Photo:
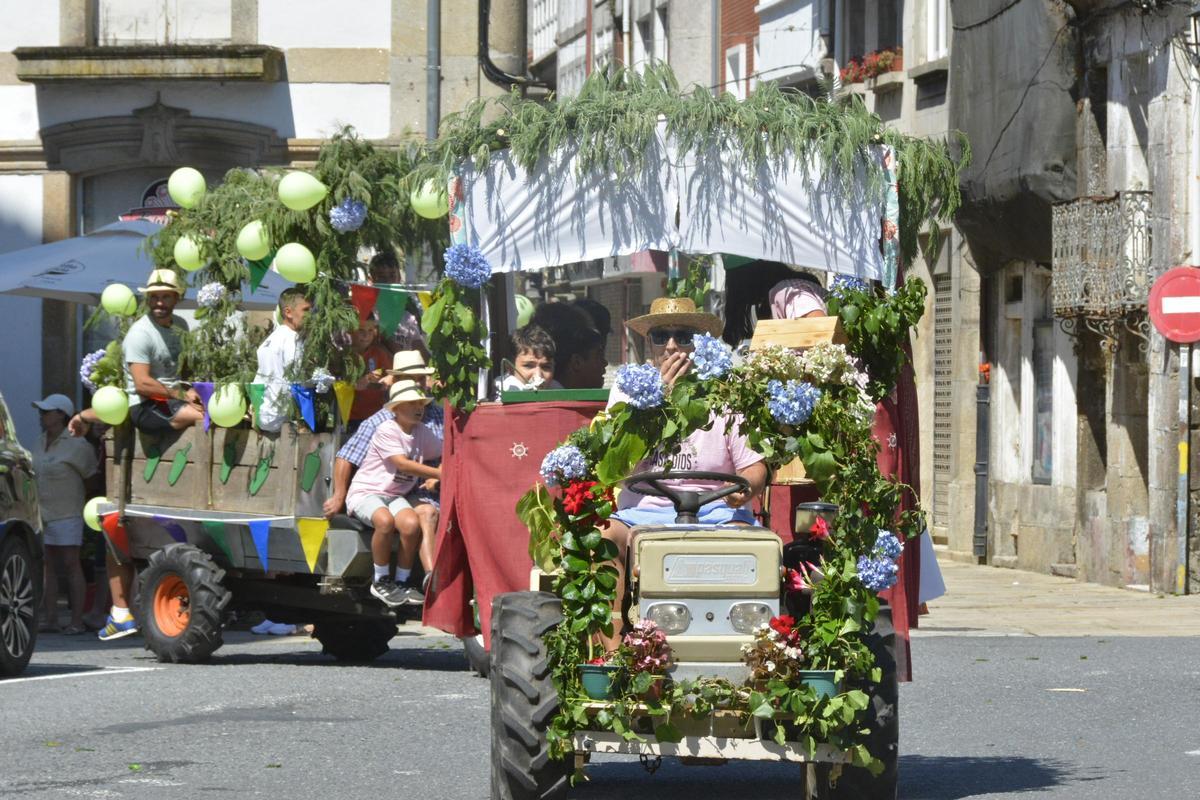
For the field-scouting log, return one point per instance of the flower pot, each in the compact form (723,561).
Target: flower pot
(823,680)
(598,680)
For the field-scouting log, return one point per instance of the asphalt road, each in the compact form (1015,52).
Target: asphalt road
(988,717)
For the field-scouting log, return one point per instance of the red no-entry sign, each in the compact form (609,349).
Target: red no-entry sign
(1174,304)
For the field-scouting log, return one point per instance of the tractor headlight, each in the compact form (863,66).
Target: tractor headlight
(746,617)
(670,617)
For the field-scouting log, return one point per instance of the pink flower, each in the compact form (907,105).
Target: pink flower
(819,529)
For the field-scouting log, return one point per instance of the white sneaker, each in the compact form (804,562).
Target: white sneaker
(263,627)
(282,629)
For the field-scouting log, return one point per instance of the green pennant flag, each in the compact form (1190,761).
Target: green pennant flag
(256,391)
(258,270)
(390,307)
(216,532)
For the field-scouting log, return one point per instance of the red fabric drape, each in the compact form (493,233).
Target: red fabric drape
(490,458)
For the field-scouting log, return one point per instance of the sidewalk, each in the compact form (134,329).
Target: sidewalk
(990,601)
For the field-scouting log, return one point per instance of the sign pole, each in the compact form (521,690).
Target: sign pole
(1181,501)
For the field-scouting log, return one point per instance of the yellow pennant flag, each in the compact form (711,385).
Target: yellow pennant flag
(312,535)
(426,299)
(344,391)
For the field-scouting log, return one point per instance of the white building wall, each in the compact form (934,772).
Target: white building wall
(130,22)
(21,370)
(28,23)
(790,44)
(320,23)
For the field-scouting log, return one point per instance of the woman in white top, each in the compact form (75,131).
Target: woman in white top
(61,463)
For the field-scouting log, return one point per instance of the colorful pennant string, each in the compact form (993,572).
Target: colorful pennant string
(312,536)
(344,392)
(216,531)
(260,532)
(305,399)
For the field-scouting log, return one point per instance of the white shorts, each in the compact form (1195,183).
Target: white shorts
(366,506)
(63,532)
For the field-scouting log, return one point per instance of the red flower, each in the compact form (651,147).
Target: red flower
(819,529)
(577,495)
(783,624)
(795,581)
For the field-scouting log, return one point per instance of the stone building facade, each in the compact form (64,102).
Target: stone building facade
(101,99)
(1084,189)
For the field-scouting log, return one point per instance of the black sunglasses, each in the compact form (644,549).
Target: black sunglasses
(682,336)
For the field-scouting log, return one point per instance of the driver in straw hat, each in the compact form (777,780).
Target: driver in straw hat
(670,330)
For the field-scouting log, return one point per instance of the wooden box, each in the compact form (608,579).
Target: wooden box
(797,333)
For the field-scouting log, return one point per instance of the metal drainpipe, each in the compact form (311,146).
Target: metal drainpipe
(492,72)
(433,67)
(982,446)
(715,21)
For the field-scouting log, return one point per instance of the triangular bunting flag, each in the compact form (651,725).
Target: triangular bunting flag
(363,297)
(344,392)
(390,305)
(256,392)
(312,536)
(173,528)
(216,532)
(260,532)
(258,270)
(303,395)
(116,533)
(205,390)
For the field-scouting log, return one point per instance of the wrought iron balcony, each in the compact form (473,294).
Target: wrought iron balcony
(1102,264)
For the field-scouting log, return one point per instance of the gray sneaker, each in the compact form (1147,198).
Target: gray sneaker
(412,597)
(390,592)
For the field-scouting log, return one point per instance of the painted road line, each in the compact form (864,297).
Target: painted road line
(84,674)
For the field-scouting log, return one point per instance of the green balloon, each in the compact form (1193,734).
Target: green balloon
(188,254)
(253,241)
(111,405)
(227,406)
(118,300)
(430,200)
(186,186)
(524,310)
(91,513)
(300,191)
(295,262)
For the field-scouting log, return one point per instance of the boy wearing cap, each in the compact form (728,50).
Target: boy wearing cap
(382,491)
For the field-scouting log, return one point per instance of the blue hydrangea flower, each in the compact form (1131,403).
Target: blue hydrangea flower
(792,403)
(87,367)
(210,294)
(712,357)
(888,546)
(563,464)
(348,215)
(322,380)
(877,574)
(466,266)
(839,285)
(642,384)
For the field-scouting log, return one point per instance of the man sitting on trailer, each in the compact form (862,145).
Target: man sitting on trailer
(276,354)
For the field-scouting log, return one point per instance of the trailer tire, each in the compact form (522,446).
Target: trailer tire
(477,656)
(355,640)
(182,604)
(524,699)
(883,720)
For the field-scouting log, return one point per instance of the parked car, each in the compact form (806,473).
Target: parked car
(20,550)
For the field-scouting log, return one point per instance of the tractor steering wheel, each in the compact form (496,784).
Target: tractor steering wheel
(687,503)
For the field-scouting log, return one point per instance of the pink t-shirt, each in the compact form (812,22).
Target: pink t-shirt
(719,449)
(376,475)
(795,298)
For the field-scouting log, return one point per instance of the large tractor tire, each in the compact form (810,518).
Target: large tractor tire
(477,656)
(18,605)
(883,720)
(182,604)
(524,699)
(355,640)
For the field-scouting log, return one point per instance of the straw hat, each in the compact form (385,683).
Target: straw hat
(405,392)
(163,280)
(409,362)
(676,312)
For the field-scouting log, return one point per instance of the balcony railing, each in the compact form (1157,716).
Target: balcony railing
(1103,265)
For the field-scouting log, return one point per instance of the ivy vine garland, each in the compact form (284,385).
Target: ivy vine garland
(454,329)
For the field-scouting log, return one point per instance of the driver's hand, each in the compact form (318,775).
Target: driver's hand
(739,499)
(673,367)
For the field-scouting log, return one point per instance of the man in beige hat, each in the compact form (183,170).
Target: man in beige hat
(670,329)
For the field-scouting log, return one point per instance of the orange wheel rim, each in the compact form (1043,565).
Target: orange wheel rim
(172,606)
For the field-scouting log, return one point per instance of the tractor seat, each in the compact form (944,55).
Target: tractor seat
(345,522)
